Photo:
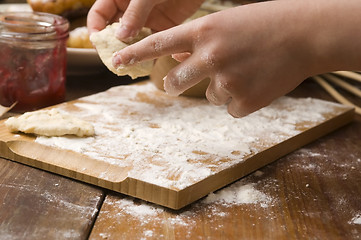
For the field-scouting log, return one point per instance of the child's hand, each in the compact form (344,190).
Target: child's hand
(247,53)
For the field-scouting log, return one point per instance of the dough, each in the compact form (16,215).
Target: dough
(107,44)
(49,123)
(67,8)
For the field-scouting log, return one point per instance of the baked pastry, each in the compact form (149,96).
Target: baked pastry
(79,38)
(66,8)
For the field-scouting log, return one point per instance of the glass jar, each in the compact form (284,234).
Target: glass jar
(32,59)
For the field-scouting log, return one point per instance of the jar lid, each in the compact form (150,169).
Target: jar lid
(32,26)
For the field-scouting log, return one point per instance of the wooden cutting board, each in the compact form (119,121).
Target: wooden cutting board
(171,151)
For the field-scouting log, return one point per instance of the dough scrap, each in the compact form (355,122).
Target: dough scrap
(50,123)
(107,44)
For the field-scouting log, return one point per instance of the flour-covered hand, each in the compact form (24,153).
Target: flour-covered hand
(255,53)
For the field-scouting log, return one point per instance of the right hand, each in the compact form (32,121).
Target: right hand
(255,53)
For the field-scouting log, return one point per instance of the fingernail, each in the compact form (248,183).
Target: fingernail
(125,34)
(116,60)
(122,32)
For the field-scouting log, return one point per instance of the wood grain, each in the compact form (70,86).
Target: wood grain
(38,205)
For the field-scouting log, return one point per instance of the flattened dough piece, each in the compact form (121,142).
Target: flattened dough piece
(107,44)
(49,123)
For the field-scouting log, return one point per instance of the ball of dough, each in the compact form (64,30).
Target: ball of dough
(107,44)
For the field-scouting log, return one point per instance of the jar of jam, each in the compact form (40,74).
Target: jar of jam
(32,59)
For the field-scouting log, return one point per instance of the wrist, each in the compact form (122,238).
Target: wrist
(332,34)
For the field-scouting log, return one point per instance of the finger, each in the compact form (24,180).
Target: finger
(185,75)
(134,18)
(216,93)
(180,57)
(156,45)
(100,14)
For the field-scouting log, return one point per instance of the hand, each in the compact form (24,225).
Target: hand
(255,53)
(155,14)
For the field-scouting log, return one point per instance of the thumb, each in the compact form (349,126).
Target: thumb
(134,18)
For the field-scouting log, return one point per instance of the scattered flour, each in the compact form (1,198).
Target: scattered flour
(146,213)
(149,217)
(356,219)
(176,142)
(239,193)
(309,160)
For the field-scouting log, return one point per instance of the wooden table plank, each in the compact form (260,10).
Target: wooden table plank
(35,204)
(312,193)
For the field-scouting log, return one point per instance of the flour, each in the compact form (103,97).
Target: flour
(208,59)
(159,46)
(356,219)
(140,210)
(185,74)
(239,193)
(246,194)
(175,142)
(147,213)
(149,217)
(341,169)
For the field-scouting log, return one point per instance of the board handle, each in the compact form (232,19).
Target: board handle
(65,162)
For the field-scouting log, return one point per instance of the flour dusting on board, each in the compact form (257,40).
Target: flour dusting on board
(173,143)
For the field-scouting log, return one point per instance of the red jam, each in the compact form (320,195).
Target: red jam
(32,60)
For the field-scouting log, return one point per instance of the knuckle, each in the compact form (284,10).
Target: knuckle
(131,17)
(156,44)
(209,58)
(202,27)
(232,86)
(224,84)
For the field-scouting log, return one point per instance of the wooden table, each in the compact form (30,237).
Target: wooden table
(314,192)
